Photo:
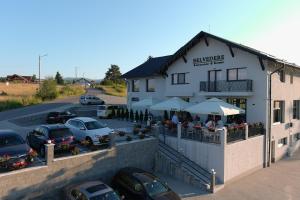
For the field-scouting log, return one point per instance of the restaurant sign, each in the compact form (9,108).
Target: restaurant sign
(209,60)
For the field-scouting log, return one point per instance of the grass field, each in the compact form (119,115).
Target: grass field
(17,95)
(114,90)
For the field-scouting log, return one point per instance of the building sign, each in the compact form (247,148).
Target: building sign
(209,60)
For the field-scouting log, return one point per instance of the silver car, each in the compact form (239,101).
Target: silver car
(86,128)
(93,190)
(90,100)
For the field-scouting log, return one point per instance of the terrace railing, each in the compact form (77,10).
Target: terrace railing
(226,86)
(236,133)
(201,135)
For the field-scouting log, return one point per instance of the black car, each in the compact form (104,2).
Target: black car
(57,134)
(59,117)
(14,152)
(137,184)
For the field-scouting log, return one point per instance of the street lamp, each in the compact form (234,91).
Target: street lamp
(40,68)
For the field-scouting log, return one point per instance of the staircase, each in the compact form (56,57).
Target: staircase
(170,162)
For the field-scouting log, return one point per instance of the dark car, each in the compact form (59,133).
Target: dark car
(57,134)
(137,184)
(14,152)
(59,117)
(92,190)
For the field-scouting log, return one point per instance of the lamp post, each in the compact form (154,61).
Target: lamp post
(40,69)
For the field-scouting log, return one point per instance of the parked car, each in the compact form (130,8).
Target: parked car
(137,184)
(89,129)
(93,190)
(90,100)
(105,111)
(14,152)
(57,134)
(59,117)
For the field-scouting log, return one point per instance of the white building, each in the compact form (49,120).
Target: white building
(210,66)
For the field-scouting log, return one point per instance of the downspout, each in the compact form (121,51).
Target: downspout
(269,115)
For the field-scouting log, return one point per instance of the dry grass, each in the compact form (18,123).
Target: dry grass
(18,89)
(114,90)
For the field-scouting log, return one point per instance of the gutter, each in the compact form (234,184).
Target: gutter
(269,116)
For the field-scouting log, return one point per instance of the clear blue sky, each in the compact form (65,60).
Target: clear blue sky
(92,34)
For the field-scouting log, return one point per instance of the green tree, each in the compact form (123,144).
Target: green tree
(33,78)
(59,79)
(113,74)
(48,90)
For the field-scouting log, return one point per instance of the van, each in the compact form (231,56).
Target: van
(105,111)
(90,100)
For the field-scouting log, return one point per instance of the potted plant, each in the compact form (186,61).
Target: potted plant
(126,114)
(131,117)
(136,116)
(142,136)
(146,115)
(141,116)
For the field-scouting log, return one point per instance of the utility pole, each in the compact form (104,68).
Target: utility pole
(40,69)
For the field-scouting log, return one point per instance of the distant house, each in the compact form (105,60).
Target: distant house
(83,82)
(19,78)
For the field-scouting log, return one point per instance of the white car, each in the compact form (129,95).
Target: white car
(90,100)
(85,128)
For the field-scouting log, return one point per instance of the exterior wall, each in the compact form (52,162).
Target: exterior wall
(287,92)
(256,100)
(143,94)
(243,156)
(64,171)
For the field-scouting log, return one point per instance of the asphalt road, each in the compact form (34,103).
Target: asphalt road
(10,114)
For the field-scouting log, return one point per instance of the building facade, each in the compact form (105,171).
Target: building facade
(210,66)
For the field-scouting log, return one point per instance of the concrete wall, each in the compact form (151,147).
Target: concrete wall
(90,166)
(143,94)
(243,156)
(288,92)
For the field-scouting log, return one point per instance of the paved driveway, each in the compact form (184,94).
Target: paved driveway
(279,182)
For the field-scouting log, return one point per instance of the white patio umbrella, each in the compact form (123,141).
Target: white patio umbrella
(145,103)
(173,104)
(215,106)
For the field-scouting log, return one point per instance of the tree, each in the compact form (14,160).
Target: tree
(136,116)
(48,90)
(33,77)
(59,79)
(113,74)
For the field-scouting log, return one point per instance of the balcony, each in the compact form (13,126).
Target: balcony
(226,86)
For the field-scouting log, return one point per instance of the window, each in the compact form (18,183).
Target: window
(282,142)
(135,85)
(178,78)
(236,74)
(282,75)
(291,78)
(296,109)
(278,112)
(297,137)
(150,85)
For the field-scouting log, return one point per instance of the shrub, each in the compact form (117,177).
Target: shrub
(3,93)
(113,113)
(146,115)
(107,82)
(10,104)
(136,116)
(118,113)
(48,90)
(122,113)
(131,117)
(69,90)
(126,114)
(141,116)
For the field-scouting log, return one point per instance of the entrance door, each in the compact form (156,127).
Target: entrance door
(273,151)
(213,77)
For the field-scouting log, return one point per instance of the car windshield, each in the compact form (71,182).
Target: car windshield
(155,188)
(107,196)
(10,140)
(59,133)
(93,125)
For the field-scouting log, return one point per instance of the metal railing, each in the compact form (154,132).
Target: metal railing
(201,135)
(255,130)
(236,133)
(226,86)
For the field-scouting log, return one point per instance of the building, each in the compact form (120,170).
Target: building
(208,66)
(19,78)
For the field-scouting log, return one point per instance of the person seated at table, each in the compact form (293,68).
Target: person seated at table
(175,120)
(197,118)
(210,124)
(190,125)
(219,121)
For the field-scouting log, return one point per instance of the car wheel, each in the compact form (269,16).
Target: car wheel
(42,151)
(90,141)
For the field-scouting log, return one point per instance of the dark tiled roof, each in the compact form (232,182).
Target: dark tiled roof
(151,67)
(202,35)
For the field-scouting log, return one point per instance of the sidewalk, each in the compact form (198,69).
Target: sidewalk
(281,181)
